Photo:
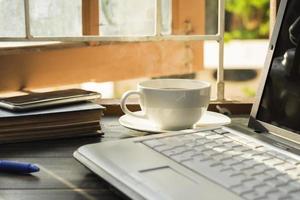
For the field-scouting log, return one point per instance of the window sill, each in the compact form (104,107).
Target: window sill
(235,107)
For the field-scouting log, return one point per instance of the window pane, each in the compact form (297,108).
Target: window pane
(166,17)
(132,17)
(14,11)
(56,17)
(211,16)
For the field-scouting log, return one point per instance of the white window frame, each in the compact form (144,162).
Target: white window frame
(219,37)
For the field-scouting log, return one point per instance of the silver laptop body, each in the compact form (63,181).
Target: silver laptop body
(260,161)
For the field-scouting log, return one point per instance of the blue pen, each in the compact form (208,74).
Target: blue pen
(17,167)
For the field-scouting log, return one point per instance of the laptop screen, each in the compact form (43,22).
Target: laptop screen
(280,102)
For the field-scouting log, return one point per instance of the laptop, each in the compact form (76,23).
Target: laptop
(260,161)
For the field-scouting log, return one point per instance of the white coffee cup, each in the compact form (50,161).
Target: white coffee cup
(171,104)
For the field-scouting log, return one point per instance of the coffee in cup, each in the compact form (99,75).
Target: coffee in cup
(171,104)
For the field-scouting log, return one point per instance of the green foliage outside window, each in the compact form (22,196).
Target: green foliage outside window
(248,19)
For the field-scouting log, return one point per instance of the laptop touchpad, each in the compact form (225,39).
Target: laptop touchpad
(165,180)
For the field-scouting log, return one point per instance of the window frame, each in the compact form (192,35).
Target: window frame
(91,39)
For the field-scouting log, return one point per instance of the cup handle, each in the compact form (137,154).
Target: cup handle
(124,107)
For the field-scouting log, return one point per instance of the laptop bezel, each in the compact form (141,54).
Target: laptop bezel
(254,123)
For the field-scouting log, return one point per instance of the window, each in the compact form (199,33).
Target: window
(55,17)
(64,18)
(14,11)
(128,49)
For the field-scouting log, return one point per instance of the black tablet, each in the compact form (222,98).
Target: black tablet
(39,100)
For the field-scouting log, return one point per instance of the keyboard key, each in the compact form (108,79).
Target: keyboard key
(250,171)
(225,140)
(214,137)
(233,145)
(220,131)
(163,148)
(277,154)
(294,174)
(261,167)
(274,195)
(201,141)
(195,136)
(253,152)
(273,172)
(234,153)
(232,136)
(254,145)
(239,175)
(254,196)
(211,145)
(242,149)
(285,166)
(251,182)
(192,144)
(241,189)
(284,177)
(153,143)
(210,152)
(172,141)
(220,149)
(264,189)
(183,156)
(294,184)
(230,162)
(292,161)
(200,157)
(218,167)
(201,148)
(241,160)
(184,139)
(229,170)
(175,150)
(295,195)
(274,161)
(261,176)
(288,188)
(221,157)
(274,182)
(250,162)
(262,157)
(238,166)
(205,133)
(217,163)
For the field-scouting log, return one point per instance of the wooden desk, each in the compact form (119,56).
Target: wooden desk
(61,176)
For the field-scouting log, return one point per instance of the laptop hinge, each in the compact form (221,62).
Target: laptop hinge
(256,126)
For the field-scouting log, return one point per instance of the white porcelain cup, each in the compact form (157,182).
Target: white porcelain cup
(171,104)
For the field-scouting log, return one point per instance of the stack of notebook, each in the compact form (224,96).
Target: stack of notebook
(64,121)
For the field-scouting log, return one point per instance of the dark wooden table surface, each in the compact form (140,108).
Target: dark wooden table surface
(61,176)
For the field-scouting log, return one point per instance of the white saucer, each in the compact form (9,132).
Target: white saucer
(209,119)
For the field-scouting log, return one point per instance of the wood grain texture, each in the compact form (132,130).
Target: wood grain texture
(96,63)
(236,108)
(57,195)
(61,176)
(90,17)
(110,61)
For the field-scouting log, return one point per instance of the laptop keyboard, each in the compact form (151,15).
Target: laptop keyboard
(247,168)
